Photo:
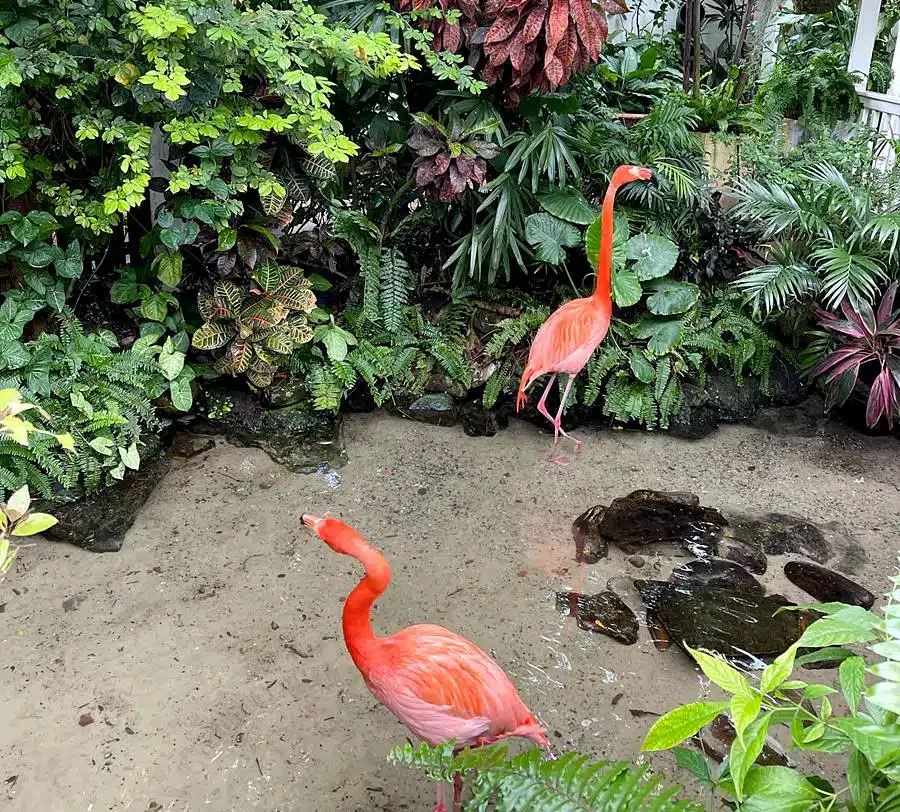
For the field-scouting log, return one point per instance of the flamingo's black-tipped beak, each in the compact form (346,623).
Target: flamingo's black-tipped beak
(653,181)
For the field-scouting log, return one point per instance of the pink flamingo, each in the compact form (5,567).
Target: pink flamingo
(569,337)
(441,686)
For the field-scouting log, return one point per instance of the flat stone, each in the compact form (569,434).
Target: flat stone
(185,445)
(590,546)
(604,613)
(825,585)
(438,409)
(715,572)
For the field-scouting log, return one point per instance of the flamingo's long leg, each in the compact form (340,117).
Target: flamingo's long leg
(441,805)
(542,405)
(457,792)
(557,423)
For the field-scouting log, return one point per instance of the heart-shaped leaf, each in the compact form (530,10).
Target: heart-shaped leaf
(669,297)
(550,236)
(652,254)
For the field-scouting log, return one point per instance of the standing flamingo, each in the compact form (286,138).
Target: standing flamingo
(437,683)
(567,339)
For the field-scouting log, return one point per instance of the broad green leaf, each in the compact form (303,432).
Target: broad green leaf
(168,268)
(652,254)
(859,777)
(852,673)
(745,750)
(154,307)
(889,650)
(124,290)
(56,296)
(692,761)
(181,393)
(777,789)
(130,457)
(643,370)
(171,363)
(335,345)
(721,673)
(744,709)
(66,441)
(211,336)
(663,334)
(568,205)
(268,274)
(17,504)
(171,238)
(826,654)
(885,695)
(227,239)
(680,724)
(778,671)
(669,297)
(817,691)
(34,523)
(626,289)
(887,670)
(70,265)
(118,472)
(877,742)
(550,236)
(103,445)
(851,624)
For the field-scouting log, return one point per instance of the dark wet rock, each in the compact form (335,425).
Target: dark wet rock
(185,446)
(590,546)
(637,561)
(694,420)
(477,421)
(781,534)
(738,623)
(604,612)
(438,409)
(786,387)
(286,392)
(658,634)
(295,436)
(99,522)
(639,713)
(740,552)
(445,384)
(826,585)
(715,572)
(359,400)
(715,740)
(653,517)
(72,604)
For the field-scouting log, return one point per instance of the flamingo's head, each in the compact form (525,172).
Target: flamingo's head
(629,174)
(333,532)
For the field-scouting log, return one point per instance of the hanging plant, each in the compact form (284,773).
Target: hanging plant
(526,46)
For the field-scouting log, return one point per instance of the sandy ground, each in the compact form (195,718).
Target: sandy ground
(208,651)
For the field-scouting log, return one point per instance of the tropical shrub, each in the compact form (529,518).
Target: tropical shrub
(527,783)
(826,237)
(867,736)
(861,341)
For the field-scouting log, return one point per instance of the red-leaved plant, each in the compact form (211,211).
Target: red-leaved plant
(866,338)
(529,46)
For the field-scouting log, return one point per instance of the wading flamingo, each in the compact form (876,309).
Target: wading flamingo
(568,338)
(437,683)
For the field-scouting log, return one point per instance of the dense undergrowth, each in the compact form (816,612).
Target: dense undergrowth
(364,198)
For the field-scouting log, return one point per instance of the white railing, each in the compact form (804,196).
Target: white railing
(882,113)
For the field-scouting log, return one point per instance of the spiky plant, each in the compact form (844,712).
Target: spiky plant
(864,339)
(259,328)
(449,159)
(527,783)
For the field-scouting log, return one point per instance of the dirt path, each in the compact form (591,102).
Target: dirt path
(208,651)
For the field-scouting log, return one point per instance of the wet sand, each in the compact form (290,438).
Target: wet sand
(208,651)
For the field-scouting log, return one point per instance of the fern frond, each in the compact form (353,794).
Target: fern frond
(394,284)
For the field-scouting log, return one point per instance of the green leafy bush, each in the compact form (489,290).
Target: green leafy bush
(868,735)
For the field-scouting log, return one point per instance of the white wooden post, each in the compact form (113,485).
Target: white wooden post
(894,89)
(864,41)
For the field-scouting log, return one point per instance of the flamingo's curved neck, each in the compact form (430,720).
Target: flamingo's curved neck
(603,290)
(356,619)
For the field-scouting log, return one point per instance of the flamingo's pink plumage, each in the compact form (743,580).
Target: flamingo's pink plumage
(565,342)
(440,685)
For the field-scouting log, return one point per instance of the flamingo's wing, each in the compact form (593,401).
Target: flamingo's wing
(566,340)
(443,687)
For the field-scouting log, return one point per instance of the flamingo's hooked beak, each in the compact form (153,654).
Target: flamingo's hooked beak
(312,522)
(653,181)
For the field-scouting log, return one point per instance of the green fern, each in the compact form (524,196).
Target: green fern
(394,284)
(528,783)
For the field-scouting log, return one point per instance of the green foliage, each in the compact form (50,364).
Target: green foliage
(260,328)
(829,237)
(16,519)
(868,735)
(220,80)
(527,783)
(87,388)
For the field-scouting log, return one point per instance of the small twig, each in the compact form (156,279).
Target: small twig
(494,307)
